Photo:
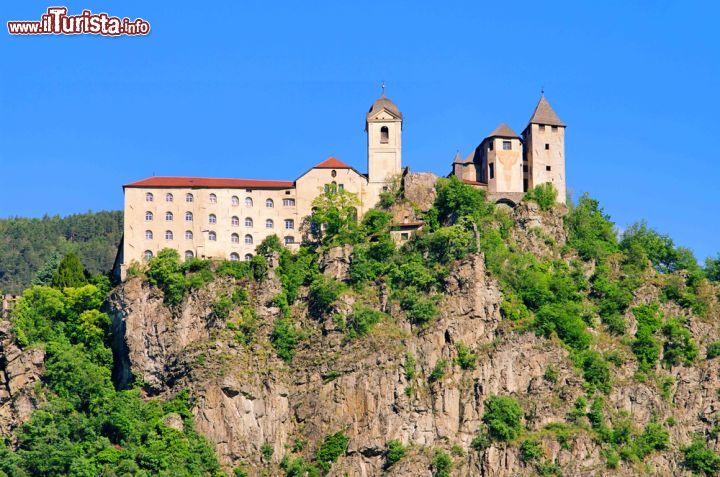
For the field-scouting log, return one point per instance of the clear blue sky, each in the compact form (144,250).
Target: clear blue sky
(243,89)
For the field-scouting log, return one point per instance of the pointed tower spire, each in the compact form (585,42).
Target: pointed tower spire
(544,114)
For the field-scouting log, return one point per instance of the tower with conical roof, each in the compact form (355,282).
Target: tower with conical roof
(502,164)
(544,149)
(383,124)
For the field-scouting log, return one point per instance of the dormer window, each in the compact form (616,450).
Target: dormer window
(384,135)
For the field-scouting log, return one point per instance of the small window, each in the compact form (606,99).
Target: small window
(333,173)
(212,219)
(341,186)
(248,257)
(168,216)
(248,190)
(148,216)
(248,222)
(188,198)
(248,239)
(507,145)
(234,257)
(547,146)
(148,254)
(492,170)
(148,235)
(287,192)
(289,224)
(169,197)
(235,238)
(404,236)
(189,254)
(384,135)
(149,197)
(288,202)
(188,235)
(269,203)
(269,224)
(548,168)
(188,216)
(168,235)
(248,202)
(491,145)
(235,200)
(525,167)
(541,127)
(212,236)
(213,199)
(289,240)
(554,128)
(235,222)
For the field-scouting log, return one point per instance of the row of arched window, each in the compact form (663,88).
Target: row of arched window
(234,257)
(212,219)
(235,200)
(212,236)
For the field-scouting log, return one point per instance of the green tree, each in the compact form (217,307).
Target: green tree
(334,220)
(545,195)
(70,273)
(502,416)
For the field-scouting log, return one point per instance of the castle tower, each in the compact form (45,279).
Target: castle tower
(544,148)
(502,164)
(384,135)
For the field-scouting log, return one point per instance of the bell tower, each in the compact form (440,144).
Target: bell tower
(383,124)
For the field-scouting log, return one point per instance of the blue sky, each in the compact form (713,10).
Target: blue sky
(264,90)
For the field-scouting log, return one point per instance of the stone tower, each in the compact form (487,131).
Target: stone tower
(503,162)
(384,135)
(544,148)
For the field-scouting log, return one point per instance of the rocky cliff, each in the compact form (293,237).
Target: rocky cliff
(257,408)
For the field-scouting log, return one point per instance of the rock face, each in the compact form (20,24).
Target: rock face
(20,370)
(245,397)
(538,231)
(418,188)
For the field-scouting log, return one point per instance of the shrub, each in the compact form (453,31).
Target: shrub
(465,358)
(332,447)
(700,458)
(679,346)
(456,199)
(590,231)
(362,319)
(395,451)
(502,416)
(285,338)
(645,346)
(322,294)
(297,467)
(530,450)
(438,371)
(409,366)
(596,416)
(654,437)
(266,450)
(221,308)
(420,309)
(550,374)
(713,350)
(544,194)
(595,371)
(441,464)
(481,441)
(565,319)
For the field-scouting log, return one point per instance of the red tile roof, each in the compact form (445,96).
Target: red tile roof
(332,163)
(210,182)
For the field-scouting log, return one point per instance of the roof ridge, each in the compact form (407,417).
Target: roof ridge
(545,114)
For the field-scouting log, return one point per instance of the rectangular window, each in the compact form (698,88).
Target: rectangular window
(554,129)
(507,145)
(341,186)
(248,190)
(525,167)
(288,202)
(492,170)
(404,235)
(491,145)
(289,224)
(548,168)
(547,146)
(541,127)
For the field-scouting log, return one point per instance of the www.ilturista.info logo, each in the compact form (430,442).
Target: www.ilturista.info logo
(57,22)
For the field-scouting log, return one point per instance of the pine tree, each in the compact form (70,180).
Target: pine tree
(71,272)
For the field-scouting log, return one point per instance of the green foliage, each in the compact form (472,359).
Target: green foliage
(550,374)
(419,307)
(579,410)
(222,306)
(70,273)
(530,451)
(565,319)
(596,416)
(332,447)
(595,371)
(266,450)
(456,199)
(438,372)
(679,346)
(502,416)
(700,458)
(174,278)
(712,268)
(395,451)
(645,346)
(31,249)
(334,218)
(322,294)
(713,350)
(298,467)
(590,231)
(466,359)
(480,441)
(441,464)
(544,194)
(362,319)
(285,338)
(409,366)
